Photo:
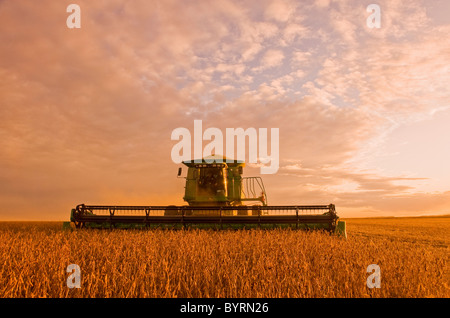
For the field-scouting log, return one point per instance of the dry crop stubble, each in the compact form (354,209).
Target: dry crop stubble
(230,263)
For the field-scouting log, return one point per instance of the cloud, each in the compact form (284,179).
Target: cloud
(270,59)
(280,11)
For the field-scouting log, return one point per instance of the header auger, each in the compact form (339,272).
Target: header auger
(218,194)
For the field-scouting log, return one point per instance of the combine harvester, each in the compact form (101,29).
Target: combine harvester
(216,194)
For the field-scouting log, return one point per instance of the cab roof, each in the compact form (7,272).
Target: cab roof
(214,159)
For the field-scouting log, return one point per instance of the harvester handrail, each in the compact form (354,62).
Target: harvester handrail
(248,190)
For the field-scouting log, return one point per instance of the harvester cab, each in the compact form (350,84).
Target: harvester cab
(219,182)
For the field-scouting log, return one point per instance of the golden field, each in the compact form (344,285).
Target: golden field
(413,255)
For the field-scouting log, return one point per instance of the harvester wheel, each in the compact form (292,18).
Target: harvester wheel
(79,225)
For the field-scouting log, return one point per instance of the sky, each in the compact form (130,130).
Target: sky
(86,114)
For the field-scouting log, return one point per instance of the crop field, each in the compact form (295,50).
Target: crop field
(412,254)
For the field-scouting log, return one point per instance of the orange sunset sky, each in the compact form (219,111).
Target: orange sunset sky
(86,114)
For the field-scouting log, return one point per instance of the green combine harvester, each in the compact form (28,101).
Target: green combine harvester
(217,194)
